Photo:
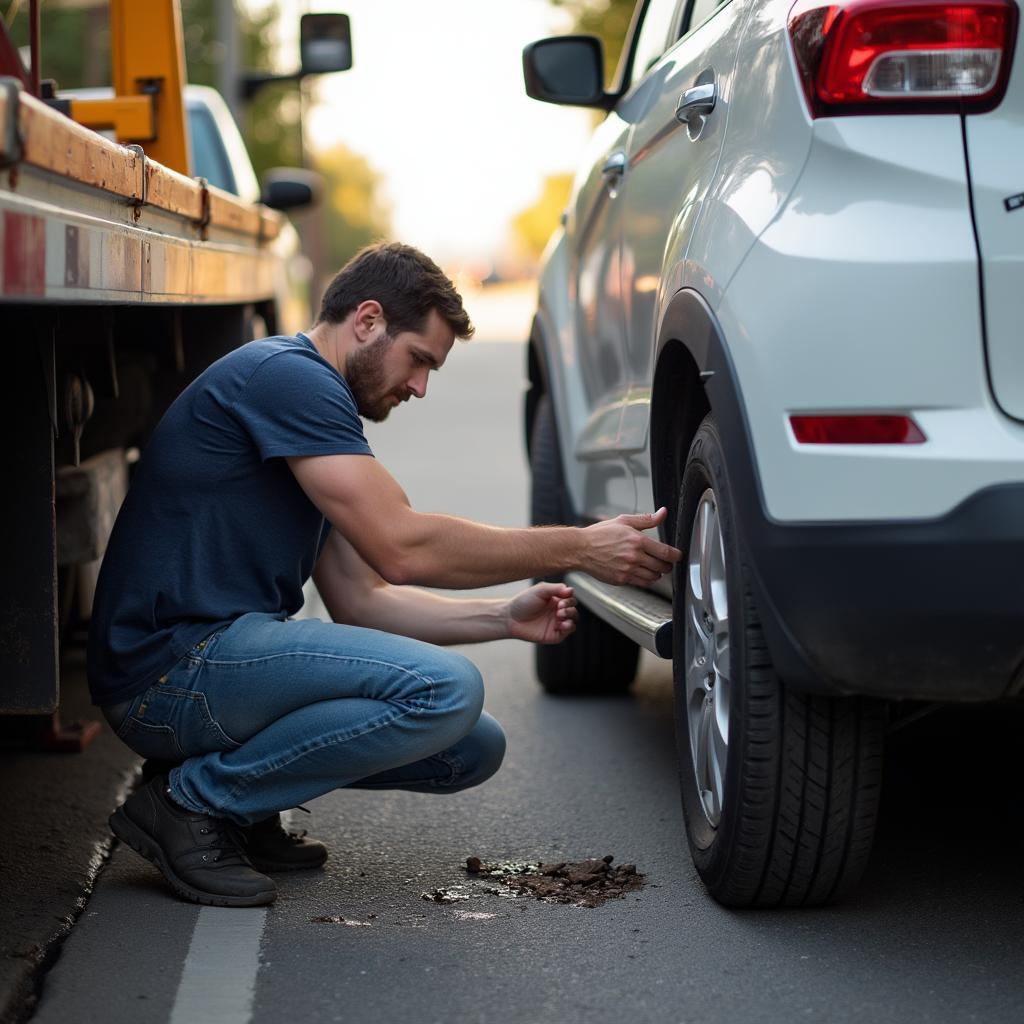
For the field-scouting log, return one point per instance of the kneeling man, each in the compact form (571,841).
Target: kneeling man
(257,477)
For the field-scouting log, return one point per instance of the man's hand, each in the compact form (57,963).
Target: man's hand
(619,553)
(544,614)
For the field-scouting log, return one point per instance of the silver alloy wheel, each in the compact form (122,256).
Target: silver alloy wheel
(707,656)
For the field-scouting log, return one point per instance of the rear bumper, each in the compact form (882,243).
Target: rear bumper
(930,610)
(923,609)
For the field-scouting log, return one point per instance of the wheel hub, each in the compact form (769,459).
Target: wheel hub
(707,656)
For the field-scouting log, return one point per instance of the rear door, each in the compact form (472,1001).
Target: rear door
(673,156)
(595,236)
(594,231)
(995,155)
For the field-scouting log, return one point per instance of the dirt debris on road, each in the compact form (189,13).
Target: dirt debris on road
(340,919)
(448,894)
(583,883)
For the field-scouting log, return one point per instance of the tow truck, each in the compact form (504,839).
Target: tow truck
(122,276)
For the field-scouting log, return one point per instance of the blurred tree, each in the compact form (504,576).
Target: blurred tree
(534,225)
(64,58)
(606,19)
(270,125)
(355,214)
(270,122)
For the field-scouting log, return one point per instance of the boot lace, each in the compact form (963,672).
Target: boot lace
(226,845)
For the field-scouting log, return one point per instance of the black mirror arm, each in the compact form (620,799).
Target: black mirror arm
(252,81)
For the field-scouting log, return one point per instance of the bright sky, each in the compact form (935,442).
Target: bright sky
(435,102)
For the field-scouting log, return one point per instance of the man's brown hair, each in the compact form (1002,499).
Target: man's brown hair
(406,283)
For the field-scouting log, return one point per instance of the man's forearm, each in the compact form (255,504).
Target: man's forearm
(446,551)
(367,506)
(433,618)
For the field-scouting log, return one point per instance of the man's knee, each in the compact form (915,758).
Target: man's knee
(458,691)
(479,753)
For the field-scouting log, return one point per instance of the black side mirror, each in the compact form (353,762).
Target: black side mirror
(567,70)
(288,188)
(325,43)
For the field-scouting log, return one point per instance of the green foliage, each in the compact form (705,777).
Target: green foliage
(270,122)
(354,213)
(606,19)
(62,31)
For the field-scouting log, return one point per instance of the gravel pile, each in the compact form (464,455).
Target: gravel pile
(584,883)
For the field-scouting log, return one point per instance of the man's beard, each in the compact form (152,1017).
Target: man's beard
(364,372)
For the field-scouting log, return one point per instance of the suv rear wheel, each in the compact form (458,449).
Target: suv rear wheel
(595,659)
(780,789)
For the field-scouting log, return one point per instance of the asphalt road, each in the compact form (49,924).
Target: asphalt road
(934,934)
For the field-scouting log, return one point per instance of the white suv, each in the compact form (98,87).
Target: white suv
(787,302)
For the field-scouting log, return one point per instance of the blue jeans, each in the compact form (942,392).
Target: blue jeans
(266,714)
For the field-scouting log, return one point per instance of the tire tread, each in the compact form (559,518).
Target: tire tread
(810,772)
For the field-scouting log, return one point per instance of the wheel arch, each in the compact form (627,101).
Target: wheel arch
(693,376)
(678,405)
(536,379)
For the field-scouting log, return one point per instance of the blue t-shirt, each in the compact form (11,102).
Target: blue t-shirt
(214,524)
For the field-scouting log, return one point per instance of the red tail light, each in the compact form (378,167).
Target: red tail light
(856,430)
(887,56)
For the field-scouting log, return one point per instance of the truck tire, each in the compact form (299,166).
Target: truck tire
(780,789)
(596,659)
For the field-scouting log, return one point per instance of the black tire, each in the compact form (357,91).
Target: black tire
(596,659)
(799,797)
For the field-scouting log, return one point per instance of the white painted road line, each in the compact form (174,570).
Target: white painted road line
(218,981)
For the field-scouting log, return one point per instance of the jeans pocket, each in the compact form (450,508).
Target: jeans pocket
(151,741)
(172,723)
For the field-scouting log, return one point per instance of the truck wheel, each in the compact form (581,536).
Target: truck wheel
(780,789)
(595,659)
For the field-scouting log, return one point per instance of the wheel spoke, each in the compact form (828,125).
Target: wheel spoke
(717,598)
(704,751)
(721,651)
(709,529)
(707,666)
(719,744)
(698,653)
(694,560)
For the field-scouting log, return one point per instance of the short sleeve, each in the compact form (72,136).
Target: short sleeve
(294,404)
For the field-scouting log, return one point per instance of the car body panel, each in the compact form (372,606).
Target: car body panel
(600,484)
(672,166)
(765,148)
(865,299)
(995,148)
(594,249)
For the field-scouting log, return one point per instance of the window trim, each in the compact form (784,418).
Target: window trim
(621,85)
(690,29)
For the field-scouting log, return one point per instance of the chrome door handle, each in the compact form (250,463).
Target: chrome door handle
(697,102)
(615,165)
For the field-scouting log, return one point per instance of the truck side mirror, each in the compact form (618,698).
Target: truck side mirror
(567,70)
(325,43)
(288,188)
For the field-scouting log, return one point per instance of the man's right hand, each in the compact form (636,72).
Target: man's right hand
(617,551)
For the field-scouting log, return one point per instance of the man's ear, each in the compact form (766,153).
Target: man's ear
(369,315)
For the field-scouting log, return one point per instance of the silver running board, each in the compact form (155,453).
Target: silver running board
(641,615)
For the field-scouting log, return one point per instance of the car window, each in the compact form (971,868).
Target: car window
(655,36)
(701,11)
(209,160)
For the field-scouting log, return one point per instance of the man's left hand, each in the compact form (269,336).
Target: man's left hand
(544,614)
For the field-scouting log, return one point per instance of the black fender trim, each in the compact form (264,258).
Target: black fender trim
(538,377)
(920,609)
